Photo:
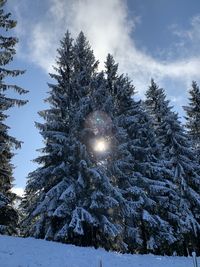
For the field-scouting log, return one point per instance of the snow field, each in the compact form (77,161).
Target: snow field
(30,252)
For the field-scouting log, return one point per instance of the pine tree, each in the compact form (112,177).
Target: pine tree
(54,158)
(8,215)
(179,159)
(142,181)
(193,117)
(71,198)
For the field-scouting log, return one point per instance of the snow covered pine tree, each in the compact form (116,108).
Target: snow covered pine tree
(8,215)
(103,180)
(142,178)
(70,198)
(193,118)
(183,170)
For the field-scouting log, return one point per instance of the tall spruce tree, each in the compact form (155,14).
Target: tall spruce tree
(71,198)
(54,158)
(180,160)
(8,215)
(193,117)
(143,183)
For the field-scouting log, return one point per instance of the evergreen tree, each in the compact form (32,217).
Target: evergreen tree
(8,215)
(70,198)
(179,159)
(54,158)
(142,180)
(193,118)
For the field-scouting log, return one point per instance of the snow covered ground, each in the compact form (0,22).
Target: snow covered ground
(29,252)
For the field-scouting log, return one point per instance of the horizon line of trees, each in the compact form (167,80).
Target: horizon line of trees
(142,194)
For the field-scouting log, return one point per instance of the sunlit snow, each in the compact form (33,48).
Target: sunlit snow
(30,252)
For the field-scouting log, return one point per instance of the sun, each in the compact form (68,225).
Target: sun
(100,145)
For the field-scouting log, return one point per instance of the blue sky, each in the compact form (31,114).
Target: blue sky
(149,38)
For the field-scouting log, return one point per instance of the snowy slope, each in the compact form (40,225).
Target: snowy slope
(29,252)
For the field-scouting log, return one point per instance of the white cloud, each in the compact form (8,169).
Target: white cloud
(108,29)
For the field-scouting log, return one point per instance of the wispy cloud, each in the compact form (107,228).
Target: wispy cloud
(190,34)
(187,44)
(109,30)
